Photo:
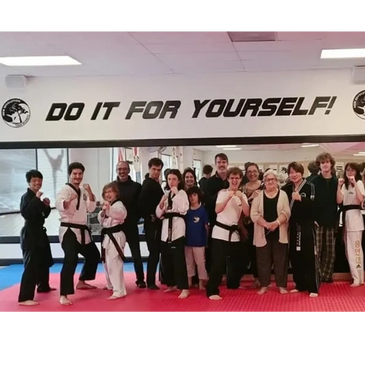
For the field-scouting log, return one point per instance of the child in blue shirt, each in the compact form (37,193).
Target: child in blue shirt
(196,236)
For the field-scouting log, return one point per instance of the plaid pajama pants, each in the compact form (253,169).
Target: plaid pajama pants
(326,251)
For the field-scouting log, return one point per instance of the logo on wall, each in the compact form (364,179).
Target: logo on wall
(15,113)
(358,105)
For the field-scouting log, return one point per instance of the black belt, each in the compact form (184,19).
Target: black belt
(109,232)
(231,229)
(345,208)
(81,227)
(169,216)
(299,237)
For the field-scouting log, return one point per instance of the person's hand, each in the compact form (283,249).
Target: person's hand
(67,203)
(352,180)
(296,196)
(106,206)
(38,194)
(341,181)
(47,202)
(174,190)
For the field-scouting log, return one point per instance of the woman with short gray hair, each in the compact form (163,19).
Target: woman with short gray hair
(270,213)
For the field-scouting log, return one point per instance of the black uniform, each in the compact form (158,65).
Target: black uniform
(149,199)
(129,193)
(214,185)
(303,255)
(37,256)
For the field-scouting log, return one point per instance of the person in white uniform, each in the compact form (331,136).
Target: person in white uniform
(73,203)
(227,244)
(113,240)
(350,196)
(172,210)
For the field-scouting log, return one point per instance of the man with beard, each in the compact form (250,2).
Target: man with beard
(214,185)
(129,192)
(73,203)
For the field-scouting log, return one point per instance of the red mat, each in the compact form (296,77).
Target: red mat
(336,297)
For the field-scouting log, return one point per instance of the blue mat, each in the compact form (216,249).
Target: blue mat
(12,274)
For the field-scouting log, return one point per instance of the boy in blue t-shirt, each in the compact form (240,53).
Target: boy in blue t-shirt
(196,236)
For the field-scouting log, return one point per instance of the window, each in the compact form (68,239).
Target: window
(197,165)
(14,164)
(52,163)
(167,164)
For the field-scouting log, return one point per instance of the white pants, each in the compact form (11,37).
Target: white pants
(113,267)
(355,255)
(196,256)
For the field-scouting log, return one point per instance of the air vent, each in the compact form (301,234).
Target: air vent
(252,36)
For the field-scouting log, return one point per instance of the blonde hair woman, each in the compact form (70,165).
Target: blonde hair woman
(270,213)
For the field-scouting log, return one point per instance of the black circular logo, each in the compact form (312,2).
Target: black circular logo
(358,105)
(15,113)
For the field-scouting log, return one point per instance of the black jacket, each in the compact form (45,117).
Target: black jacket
(129,192)
(149,199)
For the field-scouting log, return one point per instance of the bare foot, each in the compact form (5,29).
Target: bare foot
(313,295)
(215,297)
(354,285)
(184,294)
(107,288)
(114,297)
(170,289)
(28,303)
(81,285)
(263,290)
(283,291)
(294,291)
(65,301)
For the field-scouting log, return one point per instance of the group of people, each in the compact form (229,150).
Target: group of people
(199,232)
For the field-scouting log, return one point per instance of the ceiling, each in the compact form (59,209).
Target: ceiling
(336,149)
(160,53)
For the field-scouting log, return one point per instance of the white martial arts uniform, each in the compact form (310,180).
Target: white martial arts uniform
(354,227)
(75,237)
(72,214)
(113,264)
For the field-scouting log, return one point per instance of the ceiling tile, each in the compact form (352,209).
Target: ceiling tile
(190,47)
(180,37)
(299,36)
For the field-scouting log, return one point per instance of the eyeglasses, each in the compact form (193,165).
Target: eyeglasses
(269,180)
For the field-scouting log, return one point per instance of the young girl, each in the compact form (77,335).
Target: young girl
(113,240)
(172,209)
(350,196)
(196,237)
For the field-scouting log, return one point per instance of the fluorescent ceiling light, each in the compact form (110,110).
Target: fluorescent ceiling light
(232,149)
(226,146)
(309,145)
(359,154)
(39,61)
(343,53)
